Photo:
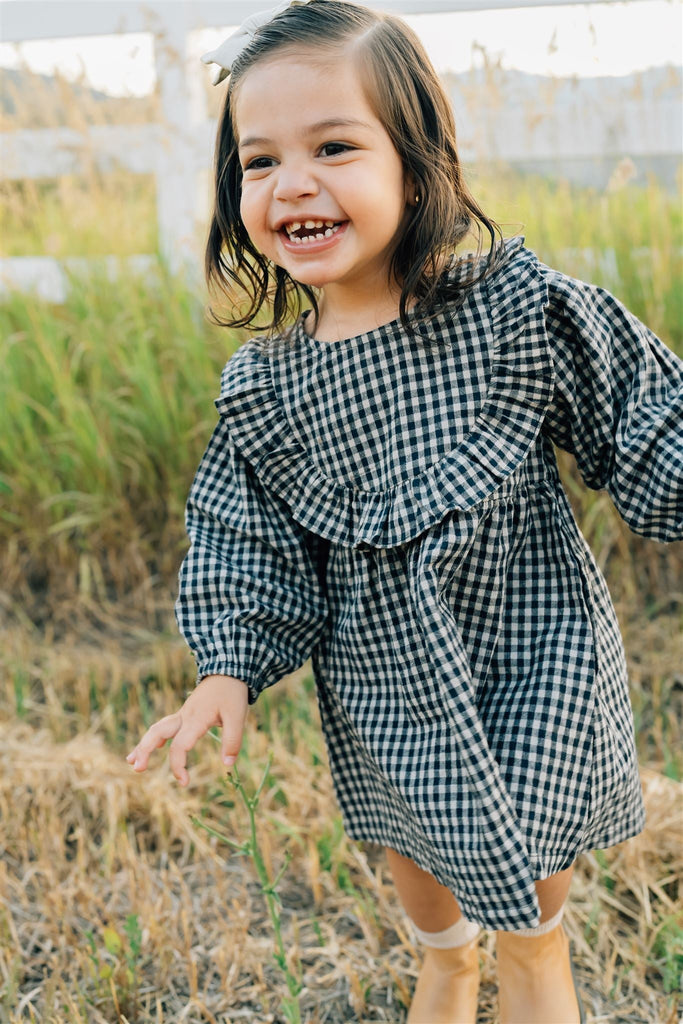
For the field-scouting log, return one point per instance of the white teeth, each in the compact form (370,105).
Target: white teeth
(296,224)
(320,234)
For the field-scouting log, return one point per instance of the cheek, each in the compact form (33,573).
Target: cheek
(251,211)
(246,212)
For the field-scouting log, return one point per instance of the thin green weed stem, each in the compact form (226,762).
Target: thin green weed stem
(291,1005)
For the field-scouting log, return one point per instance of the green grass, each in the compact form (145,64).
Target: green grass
(78,215)
(105,405)
(573,228)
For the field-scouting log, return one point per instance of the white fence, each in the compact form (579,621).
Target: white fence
(177,150)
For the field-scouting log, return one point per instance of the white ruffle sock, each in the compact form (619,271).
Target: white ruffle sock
(541,929)
(459,934)
(464,930)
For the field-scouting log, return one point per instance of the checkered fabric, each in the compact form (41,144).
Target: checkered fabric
(391,507)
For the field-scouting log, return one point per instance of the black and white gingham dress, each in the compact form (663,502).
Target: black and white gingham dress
(392,508)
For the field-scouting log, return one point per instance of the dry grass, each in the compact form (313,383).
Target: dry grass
(87,843)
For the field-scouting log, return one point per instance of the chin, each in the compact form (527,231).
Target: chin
(310,282)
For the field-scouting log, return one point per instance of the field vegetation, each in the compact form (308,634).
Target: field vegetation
(124,898)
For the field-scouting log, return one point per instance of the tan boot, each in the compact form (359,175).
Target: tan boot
(447,986)
(536,980)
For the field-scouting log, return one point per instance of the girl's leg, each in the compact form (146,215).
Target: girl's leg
(535,980)
(552,892)
(448,984)
(429,904)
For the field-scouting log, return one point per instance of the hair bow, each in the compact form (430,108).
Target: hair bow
(227,53)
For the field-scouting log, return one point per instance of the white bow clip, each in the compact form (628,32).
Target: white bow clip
(227,53)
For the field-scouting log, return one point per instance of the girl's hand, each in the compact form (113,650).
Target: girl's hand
(216,700)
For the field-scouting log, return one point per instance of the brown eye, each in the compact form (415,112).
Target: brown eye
(336,145)
(253,164)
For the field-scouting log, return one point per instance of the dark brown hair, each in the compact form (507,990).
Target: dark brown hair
(408,98)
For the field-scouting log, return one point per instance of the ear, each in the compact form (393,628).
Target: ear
(411,190)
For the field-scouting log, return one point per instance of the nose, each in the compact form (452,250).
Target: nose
(293,181)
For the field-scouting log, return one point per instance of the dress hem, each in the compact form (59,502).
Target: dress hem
(602,841)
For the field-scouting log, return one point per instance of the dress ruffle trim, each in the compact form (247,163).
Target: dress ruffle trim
(510,419)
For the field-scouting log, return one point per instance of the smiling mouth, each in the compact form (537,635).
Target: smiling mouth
(310,232)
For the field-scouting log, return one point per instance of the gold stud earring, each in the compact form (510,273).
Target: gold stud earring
(417,200)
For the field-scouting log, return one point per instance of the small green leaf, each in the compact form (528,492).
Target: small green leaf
(112,941)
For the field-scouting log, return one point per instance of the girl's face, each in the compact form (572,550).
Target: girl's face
(297,169)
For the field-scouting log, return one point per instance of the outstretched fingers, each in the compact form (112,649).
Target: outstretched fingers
(186,737)
(216,701)
(154,738)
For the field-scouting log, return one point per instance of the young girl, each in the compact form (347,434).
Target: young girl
(381,494)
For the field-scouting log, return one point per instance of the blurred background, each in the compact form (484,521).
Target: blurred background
(569,120)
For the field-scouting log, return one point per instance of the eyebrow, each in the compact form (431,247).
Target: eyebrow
(314,129)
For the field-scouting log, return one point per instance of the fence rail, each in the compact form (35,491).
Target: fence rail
(45,19)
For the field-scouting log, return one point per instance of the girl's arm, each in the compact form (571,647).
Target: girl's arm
(618,405)
(250,600)
(251,603)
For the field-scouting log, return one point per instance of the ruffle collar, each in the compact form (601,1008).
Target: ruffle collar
(509,421)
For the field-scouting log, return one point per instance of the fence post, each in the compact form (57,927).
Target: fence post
(183,109)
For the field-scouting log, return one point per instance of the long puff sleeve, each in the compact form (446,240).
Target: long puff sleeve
(618,405)
(251,602)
